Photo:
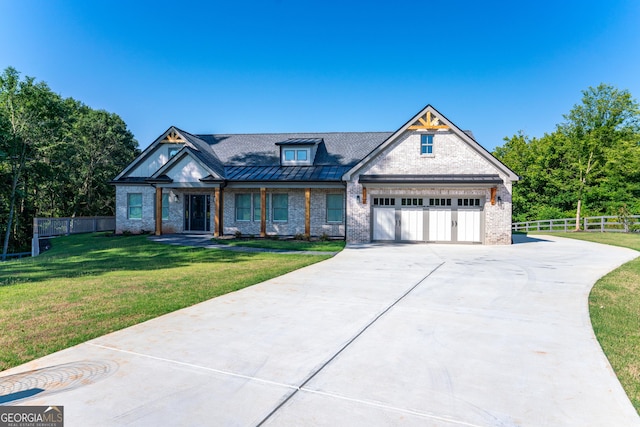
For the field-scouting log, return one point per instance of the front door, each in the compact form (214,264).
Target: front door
(197,212)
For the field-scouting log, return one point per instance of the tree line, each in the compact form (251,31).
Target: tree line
(589,165)
(57,157)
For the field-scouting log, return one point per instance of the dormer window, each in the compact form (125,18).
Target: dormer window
(295,156)
(298,151)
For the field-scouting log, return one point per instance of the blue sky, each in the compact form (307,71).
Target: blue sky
(293,66)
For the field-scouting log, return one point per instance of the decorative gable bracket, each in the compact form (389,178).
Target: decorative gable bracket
(428,122)
(173,137)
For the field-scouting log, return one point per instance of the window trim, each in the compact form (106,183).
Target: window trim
(341,220)
(426,144)
(130,205)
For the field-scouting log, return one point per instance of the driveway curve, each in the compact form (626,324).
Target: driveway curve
(424,335)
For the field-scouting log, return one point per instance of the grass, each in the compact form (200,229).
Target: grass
(614,306)
(290,245)
(89,285)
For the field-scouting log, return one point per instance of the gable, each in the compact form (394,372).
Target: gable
(156,155)
(451,155)
(155,159)
(187,166)
(187,169)
(455,151)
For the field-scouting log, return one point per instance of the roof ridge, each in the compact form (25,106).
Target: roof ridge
(289,133)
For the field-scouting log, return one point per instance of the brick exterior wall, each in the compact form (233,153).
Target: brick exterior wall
(296,221)
(175,223)
(123,223)
(451,155)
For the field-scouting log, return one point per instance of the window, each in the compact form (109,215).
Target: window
(426,144)
(296,156)
(440,202)
(280,204)
(248,207)
(134,205)
(384,201)
(173,151)
(468,202)
(335,208)
(412,202)
(243,207)
(165,206)
(257,208)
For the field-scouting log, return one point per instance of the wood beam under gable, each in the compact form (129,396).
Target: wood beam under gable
(428,122)
(173,137)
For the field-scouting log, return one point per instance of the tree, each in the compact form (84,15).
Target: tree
(57,157)
(103,146)
(590,163)
(29,113)
(606,119)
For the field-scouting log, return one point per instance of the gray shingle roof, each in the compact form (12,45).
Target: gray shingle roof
(204,152)
(337,148)
(256,157)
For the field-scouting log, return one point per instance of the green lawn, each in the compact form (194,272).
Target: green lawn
(292,245)
(88,285)
(614,305)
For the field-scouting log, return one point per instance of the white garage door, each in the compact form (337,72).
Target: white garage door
(440,225)
(384,224)
(468,225)
(411,224)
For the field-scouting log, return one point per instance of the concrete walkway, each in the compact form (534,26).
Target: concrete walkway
(417,335)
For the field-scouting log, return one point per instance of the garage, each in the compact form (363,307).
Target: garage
(427,219)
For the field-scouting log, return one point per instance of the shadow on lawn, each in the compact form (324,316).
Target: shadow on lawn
(91,255)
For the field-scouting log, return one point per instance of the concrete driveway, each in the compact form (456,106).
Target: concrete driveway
(424,335)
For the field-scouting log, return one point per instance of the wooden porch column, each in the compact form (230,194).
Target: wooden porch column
(307,211)
(263,212)
(158,211)
(217,214)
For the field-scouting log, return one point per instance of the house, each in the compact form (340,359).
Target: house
(429,181)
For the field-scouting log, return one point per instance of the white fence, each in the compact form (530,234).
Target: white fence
(50,227)
(590,223)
